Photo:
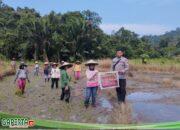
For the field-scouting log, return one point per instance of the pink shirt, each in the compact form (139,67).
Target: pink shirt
(92,78)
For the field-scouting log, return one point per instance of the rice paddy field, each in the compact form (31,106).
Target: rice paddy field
(153,93)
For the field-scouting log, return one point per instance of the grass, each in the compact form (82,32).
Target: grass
(5,69)
(156,65)
(4,66)
(153,65)
(177,84)
(122,113)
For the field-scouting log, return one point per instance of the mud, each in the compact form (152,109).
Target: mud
(154,101)
(150,101)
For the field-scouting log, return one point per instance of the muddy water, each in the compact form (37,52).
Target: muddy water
(143,96)
(152,103)
(155,112)
(105,103)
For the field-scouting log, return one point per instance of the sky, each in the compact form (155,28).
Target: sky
(145,17)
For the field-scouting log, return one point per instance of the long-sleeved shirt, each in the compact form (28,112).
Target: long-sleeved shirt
(46,71)
(122,66)
(36,67)
(55,73)
(77,67)
(65,79)
(22,74)
(92,78)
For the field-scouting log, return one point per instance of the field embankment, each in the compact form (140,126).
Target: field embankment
(5,69)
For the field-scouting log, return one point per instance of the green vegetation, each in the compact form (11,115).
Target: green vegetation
(156,65)
(25,34)
(65,125)
(158,61)
(166,45)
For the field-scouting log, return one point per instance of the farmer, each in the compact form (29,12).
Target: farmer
(65,82)
(36,69)
(92,83)
(13,64)
(62,62)
(46,72)
(50,66)
(22,76)
(77,70)
(55,75)
(121,65)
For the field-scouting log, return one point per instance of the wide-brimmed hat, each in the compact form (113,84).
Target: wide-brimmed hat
(36,62)
(78,61)
(46,63)
(54,63)
(66,64)
(23,64)
(91,62)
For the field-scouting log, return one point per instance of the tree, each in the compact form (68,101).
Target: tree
(73,35)
(178,45)
(163,43)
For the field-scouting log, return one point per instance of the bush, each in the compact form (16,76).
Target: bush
(2,57)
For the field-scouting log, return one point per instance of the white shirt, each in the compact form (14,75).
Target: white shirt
(55,73)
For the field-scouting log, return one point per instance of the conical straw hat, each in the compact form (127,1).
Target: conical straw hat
(91,62)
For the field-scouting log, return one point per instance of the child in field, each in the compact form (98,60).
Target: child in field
(36,69)
(92,83)
(55,75)
(22,76)
(77,70)
(46,72)
(65,81)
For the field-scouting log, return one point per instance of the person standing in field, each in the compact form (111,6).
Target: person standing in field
(92,83)
(46,72)
(65,82)
(22,76)
(36,69)
(77,70)
(120,64)
(13,64)
(62,62)
(55,75)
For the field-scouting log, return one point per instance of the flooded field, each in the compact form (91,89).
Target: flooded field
(154,102)
(150,98)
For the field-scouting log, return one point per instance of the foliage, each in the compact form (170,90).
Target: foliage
(167,44)
(25,34)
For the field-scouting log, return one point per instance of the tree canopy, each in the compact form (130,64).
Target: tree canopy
(25,34)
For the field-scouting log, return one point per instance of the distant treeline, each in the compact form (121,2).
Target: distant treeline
(25,34)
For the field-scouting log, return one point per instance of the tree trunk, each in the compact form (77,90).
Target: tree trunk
(35,51)
(45,57)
